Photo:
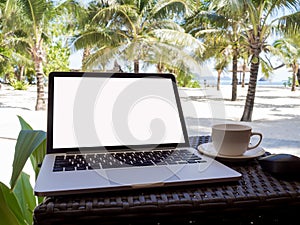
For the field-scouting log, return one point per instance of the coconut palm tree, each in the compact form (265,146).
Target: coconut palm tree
(32,21)
(260,19)
(221,20)
(139,31)
(221,64)
(289,51)
(263,19)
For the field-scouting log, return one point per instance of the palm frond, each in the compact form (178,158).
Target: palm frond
(289,23)
(22,59)
(167,8)
(205,20)
(101,57)
(163,24)
(33,9)
(114,12)
(179,39)
(92,38)
(172,56)
(266,68)
(214,31)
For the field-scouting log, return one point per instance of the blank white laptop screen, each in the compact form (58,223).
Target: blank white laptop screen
(93,111)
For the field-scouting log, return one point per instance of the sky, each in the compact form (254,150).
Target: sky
(75,60)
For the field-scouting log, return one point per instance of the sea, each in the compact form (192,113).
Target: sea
(212,81)
(208,76)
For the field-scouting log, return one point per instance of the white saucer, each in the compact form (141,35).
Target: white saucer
(208,149)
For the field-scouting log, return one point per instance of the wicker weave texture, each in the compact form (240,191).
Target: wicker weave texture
(256,198)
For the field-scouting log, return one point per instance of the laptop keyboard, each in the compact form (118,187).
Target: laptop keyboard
(128,159)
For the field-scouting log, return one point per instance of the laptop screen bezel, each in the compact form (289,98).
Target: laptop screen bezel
(52,75)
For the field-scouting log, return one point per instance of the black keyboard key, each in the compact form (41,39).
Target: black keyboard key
(58,169)
(70,168)
(161,163)
(94,166)
(81,167)
(70,156)
(60,157)
(171,162)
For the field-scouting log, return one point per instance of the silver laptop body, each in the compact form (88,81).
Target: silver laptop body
(119,131)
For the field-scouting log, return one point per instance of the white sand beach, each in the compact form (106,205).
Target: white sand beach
(276,115)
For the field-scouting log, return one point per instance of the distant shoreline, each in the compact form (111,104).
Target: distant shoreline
(229,82)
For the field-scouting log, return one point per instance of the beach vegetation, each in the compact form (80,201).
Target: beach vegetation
(18,201)
(220,26)
(289,52)
(264,19)
(33,18)
(187,80)
(58,54)
(139,31)
(29,23)
(246,25)
(19,85)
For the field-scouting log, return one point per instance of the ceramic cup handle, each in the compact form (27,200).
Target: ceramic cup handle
(259,141)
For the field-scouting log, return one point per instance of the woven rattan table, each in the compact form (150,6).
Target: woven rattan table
(258,198)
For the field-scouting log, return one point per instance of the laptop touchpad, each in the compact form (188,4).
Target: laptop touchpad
(153,175)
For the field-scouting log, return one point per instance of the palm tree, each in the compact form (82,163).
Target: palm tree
(264,18)
(80,18)
(33,19)
(5,55)
(139,30)
(6,49)
(244,68)
(289,50)
(221,64)
(222,20)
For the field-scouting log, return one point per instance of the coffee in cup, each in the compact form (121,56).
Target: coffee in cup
(233,139)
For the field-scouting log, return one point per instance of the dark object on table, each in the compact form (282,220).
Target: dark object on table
(281,164)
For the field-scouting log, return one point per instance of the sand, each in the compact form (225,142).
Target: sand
(276,115)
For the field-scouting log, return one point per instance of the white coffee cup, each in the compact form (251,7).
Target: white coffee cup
(233,139)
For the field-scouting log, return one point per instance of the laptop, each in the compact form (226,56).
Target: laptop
(119,131)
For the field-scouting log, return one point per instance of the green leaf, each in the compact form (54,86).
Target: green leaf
(28,141)
(24,124)
(25,196)
(10,210)
(37,157)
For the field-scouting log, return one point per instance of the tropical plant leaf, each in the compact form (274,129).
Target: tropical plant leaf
(37,157)
(34,10)
(10,210)
(24,124)
(28,141)
(25,196)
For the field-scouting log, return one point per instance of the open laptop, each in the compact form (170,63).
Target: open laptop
(119,131)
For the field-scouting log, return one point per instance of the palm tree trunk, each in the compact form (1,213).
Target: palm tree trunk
(40,101)
(136,66)
(295,69)
(85,55)
(249,104)
(244,74)
(234,77)
(219,79)
(160,67)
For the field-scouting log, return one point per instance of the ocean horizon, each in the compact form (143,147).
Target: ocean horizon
(213,82)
